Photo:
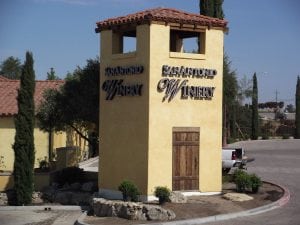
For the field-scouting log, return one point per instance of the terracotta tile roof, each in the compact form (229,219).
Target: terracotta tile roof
(9,91)
(2,78)
(163,15)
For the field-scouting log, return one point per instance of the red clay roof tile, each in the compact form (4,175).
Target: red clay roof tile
(9,92)
(163,15)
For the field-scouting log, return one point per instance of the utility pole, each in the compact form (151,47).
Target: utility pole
(276,95)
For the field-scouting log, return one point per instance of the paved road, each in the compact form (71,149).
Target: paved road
(277,161)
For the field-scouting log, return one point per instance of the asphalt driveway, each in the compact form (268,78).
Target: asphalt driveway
(277,161)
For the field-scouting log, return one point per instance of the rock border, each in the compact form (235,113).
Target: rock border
(130,210)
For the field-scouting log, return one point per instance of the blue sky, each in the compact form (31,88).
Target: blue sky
(264,35)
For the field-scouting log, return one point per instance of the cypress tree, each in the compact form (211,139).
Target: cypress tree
(206,7)
(218,11)
(254,124)
(212,8)
(24,140)
(297,134)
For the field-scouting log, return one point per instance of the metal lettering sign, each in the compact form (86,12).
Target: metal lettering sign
(176,71)
(117,87)
(171,87)
(123,70)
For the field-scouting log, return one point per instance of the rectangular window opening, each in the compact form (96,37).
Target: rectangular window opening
(187,41)
(124,42)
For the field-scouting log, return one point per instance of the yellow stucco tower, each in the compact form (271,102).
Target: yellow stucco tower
(161,104)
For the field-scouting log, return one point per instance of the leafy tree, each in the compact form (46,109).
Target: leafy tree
(218,10)
(212,8)
(24,140)
(230,90)
(51,75)
(271,105)
(244,89)
(49,116)
(11,68)
(243,123)
(254,124)
(206,7)
(76,105)
(290,108)
(298,109)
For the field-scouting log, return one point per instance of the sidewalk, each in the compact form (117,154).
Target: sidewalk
(39,215)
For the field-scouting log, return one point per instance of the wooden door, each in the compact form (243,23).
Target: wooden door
(185,160)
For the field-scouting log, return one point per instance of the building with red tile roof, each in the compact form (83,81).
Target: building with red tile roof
(9,92)
(9,108)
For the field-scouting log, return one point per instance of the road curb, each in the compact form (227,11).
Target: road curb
(279,203)
(79,221)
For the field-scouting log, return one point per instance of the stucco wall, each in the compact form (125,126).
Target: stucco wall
(41,141)
(41,180)
(206,114)
(7,138)
(124,120)
(136,132)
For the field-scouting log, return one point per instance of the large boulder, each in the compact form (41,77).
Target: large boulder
(49,192)
(81,198)
(237,197)
(63,197)
(130,210)
(88,186)
(177,197)
(158,213)
(3,198)
(75,186)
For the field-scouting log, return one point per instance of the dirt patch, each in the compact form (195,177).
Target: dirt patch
(203,206)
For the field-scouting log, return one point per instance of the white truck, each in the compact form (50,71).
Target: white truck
(233,157)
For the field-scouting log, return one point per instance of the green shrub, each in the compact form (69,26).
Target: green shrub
(129,191)
(163,194)
(285,136)
(227,178)
(265,137)
(245,181)
(230,140)
(237,172)
(242,180)
(255,182)
(69,175)
(44,165)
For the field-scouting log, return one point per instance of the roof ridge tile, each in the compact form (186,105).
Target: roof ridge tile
(161,14)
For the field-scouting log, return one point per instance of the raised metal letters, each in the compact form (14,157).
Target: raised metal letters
(176,71)
(197,92)
(123,70)
(171,87)
(116,87)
